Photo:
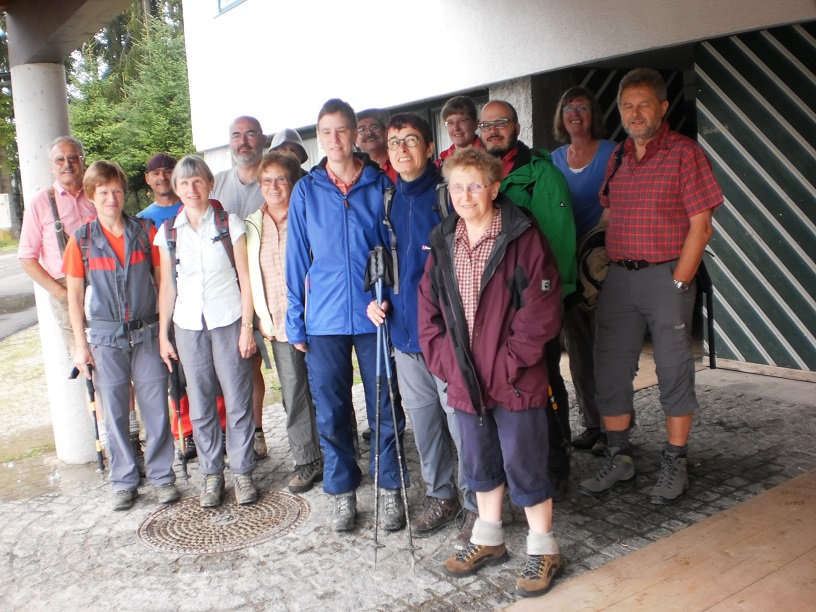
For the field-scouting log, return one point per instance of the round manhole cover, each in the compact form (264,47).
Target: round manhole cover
(185,527)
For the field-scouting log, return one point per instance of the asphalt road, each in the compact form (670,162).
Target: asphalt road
(17,309)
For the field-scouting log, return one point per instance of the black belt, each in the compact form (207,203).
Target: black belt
(639,264)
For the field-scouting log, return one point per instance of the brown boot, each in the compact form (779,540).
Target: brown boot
(468,520)
(472,558)
(538,575)
(437,514)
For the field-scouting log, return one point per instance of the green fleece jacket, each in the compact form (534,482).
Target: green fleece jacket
(538,185)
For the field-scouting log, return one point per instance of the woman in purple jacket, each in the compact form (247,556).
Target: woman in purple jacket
(488,303)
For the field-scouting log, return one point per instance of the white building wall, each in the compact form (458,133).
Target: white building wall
(279,61)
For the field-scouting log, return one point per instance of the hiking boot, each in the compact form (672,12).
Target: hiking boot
(305,476)
(245,491)
(673,480)
(123,500)
(468,520)
(260,445)
(190,451)
(538,574)
(617,469)
(393,509)
(212,491)
(138,453)
(167,493)
(470,559)
(601,446)
(345,511)
(586,439)
(437,514)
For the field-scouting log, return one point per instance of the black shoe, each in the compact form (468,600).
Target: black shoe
(586,439)
(138,454)
(190,451)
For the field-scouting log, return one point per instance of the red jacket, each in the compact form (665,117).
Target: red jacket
(519,311)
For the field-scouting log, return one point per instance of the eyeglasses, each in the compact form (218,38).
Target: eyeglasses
(487,126)
(374,129)
(410,141)
(576,109)
(474,188)
(278,180)
(249,134)
(457,122)
(71,159)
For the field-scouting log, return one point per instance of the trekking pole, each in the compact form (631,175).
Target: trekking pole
(376,434)
(379,270)
(565,441)
(175,394)
(100,458)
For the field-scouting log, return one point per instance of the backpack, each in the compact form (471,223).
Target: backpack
(221,225)
(593,266)
(143,243)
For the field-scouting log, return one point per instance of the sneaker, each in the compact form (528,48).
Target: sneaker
(538,574)
(437,514)
(123,500)
(617,469)
(138,453)
(601,446)
(190,451)
(673,480)
(468,520)
(393,508)
(586,439)
(260,445)
(167,493)
(245,491)
(469,560)
(345,511)
(305,476)
(212,491)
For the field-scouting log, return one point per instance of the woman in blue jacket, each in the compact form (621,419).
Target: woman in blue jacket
(335,220)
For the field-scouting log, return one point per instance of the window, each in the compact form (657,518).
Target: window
(225,5)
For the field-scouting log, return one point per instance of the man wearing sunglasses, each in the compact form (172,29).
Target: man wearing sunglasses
(52,215)
(532,181)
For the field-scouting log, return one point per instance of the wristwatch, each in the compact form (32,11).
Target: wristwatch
(681,286)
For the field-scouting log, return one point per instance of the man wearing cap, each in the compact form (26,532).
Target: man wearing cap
(371,139)
(289,141)
(239,192)
(167,203)
(50,217)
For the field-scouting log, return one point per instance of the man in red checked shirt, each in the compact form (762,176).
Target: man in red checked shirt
(659,196)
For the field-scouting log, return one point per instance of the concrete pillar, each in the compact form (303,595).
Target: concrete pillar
(41,113)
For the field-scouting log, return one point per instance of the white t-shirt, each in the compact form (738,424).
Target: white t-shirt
(207,284)
(235,197)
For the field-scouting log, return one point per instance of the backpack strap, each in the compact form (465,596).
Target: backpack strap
(84,234)
(222,225)
(388,200)
(442,200)
(170,237)
(618,161)
(59,228)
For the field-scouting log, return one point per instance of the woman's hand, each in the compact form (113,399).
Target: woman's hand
(246,342)
(167,352)
(83,358)
(376,313)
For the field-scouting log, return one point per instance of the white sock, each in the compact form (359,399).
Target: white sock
(542,544)
(486,533)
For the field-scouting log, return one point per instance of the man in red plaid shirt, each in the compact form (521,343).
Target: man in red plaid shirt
(659,197)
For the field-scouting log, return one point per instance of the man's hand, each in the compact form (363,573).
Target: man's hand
(301,346)
(376,313)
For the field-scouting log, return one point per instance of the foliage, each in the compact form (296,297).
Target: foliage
(129,92)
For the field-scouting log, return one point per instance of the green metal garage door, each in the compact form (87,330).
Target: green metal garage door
(756,115)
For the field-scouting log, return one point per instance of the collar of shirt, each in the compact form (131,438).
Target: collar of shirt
(493,230)
(507,162)
(346,187)
(65,193)
(265,209)
(658,142)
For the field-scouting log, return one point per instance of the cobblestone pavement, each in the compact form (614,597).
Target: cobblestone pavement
(61,548)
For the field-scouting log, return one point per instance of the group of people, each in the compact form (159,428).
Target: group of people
(484,246)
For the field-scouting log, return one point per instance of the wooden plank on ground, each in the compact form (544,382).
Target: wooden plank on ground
(701,566)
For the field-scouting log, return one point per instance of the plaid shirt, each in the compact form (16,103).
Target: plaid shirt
(651,200)
(345,187)
(470,264)
(273,269)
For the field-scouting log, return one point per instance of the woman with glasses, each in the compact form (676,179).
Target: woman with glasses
(579,122)
(489,301)
(266,246)
(413,215)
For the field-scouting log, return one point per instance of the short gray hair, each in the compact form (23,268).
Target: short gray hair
(190,166)
(70,140)
(644,76)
